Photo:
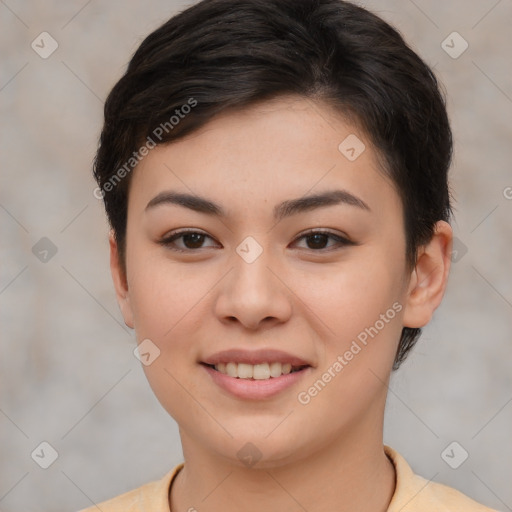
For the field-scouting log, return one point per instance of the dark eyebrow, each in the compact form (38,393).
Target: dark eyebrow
(329,198)
(282,210)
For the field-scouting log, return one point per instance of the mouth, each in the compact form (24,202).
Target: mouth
(262,371)
(260,381)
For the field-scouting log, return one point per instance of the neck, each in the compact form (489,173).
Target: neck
(353,473)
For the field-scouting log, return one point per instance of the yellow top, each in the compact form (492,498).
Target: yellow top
(412,494)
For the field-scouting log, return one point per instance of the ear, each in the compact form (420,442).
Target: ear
(120,282)
(429,277)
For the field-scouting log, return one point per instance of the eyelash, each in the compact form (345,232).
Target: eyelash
(168,240)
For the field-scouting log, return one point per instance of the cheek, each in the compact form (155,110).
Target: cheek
(361,306)
(168,304)
(360,310)
(163,293)
(350,296)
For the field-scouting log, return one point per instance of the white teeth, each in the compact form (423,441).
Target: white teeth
(261,371)
(276,369)
(245,371)
(231,369)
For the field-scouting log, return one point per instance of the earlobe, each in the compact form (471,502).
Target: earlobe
(429,278)
(120,282)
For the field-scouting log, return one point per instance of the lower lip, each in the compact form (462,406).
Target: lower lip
(255,389)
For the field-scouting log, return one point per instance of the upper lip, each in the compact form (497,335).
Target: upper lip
(254,357)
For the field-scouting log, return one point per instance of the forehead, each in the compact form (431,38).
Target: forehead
(283,148)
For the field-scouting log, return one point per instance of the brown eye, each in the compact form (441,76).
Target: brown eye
(319,240)
(193,240)
(190,240)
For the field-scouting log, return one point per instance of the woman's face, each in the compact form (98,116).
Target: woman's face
(254,278)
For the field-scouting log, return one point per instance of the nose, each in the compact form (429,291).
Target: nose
(254,293)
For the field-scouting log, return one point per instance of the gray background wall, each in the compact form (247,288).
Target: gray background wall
(67,372)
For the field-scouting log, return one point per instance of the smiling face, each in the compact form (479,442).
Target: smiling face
(251,276)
